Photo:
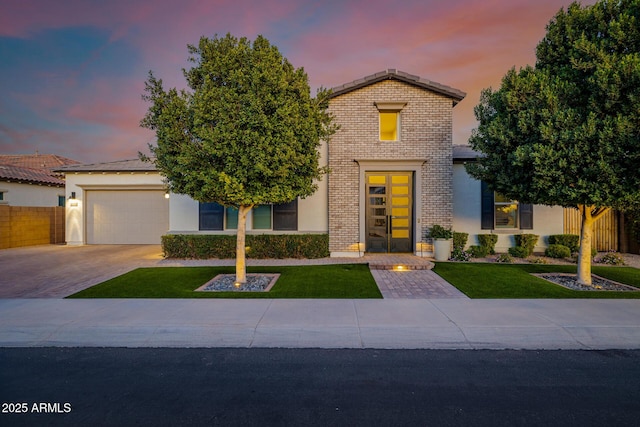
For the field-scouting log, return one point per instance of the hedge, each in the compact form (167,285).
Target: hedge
(259,246)
(572,241)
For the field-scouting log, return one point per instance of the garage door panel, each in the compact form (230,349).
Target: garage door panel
(126,217)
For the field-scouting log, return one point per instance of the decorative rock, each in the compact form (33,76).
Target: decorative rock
(597,283)
(227,283)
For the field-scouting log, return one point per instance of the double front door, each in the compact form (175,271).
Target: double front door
(389,211)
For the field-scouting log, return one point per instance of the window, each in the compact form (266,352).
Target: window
(1,196)
(231,218)
(498,212)
(214,216)
(264,217)
(285,216)
(211,216)
(61,200)
(506,212)
(389,120)
(389,126)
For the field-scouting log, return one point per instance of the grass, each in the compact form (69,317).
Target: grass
(484,280)
(325,281)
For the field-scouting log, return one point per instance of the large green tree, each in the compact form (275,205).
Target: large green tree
(245,133)
(567,131)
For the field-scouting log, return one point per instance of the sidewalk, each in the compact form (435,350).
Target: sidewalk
(384,324)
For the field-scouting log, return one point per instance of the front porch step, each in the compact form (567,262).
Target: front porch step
(397,262)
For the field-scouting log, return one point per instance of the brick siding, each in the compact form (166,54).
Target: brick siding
(425,134)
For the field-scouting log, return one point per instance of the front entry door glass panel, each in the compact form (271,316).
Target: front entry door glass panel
(389,211)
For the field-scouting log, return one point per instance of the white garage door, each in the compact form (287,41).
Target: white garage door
(126,217)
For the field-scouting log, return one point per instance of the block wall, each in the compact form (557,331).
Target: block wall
(28,226)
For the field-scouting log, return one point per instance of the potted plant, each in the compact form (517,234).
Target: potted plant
(442,238)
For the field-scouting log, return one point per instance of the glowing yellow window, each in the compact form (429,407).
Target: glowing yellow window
(389,126)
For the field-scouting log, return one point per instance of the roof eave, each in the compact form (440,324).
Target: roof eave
(391,74)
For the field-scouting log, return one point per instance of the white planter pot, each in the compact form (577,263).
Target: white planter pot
(442,249)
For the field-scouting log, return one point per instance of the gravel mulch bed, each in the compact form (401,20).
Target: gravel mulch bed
(570,281)
(227,283)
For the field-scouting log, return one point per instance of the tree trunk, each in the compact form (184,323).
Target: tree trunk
(590,214)
(584,256)
(241,265)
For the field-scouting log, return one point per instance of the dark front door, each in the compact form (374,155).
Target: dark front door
(389,211)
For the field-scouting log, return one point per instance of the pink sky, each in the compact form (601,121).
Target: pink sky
(73,71)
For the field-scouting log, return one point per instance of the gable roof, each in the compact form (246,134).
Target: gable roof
(393,74)
(19,174)
(131,165)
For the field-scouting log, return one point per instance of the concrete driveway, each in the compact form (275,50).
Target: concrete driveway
(56,271)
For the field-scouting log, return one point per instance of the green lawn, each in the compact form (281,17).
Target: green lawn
(484,280)
(325,281)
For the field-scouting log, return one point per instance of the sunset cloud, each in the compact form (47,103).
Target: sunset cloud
(73,72)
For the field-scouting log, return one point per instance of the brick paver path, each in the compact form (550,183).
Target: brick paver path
(414,284)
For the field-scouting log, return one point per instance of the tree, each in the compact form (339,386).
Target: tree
(247,132)
(567,131)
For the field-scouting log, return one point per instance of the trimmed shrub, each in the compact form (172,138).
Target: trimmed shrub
(460,240)
(557,251)
(572,241)
(504,258)
(519,252)
(476,251)
(259,246)
(526,241)
(488,241)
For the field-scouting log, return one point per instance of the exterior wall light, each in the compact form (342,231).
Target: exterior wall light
(73,195)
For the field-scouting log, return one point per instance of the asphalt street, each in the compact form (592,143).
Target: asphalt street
(318,387)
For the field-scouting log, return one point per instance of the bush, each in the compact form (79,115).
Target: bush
(439,232)
(557,251)
(572,241)
(505,258)
(612,258)
(526,241)
(460,240)
(519,252)
(259,246)
(488,241)
(459,255)
(476,251)
(537,260)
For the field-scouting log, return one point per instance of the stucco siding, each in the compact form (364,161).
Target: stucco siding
(547,220)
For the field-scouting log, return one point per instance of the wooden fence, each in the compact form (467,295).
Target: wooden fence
(28,226)
(605,229)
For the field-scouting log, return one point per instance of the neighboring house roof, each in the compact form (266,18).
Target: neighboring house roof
(392,74)
(46,162)
(464,153)
(19,174)
(132,165)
